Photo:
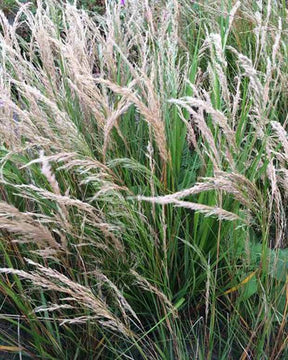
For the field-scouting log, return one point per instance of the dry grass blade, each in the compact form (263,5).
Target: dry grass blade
(122,302)
(219,213)
(235,184)
(150,111)
(282,136)
(144,283)
(29,227)
(50,279)
(198,118)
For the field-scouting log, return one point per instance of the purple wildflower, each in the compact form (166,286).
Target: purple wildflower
(122,2)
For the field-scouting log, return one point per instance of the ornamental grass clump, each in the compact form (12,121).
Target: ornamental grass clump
(143,180)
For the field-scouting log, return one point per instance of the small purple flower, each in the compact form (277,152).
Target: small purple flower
(122,2)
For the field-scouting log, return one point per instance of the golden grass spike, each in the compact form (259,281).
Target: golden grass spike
(10,348)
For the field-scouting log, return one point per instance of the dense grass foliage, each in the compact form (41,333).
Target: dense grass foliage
(144,180)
